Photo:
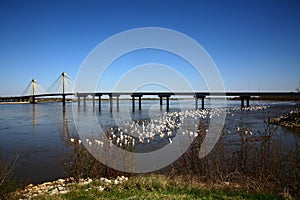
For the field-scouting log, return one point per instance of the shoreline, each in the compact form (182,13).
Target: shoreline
(289,120)
(9,103)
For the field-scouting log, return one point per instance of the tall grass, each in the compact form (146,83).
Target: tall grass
(257,162)
(7,184)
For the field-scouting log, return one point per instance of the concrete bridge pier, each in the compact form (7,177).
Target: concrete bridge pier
(78,100)
(140,103)
(32,99)
(133,104)
(243,98)
(118,103)
(79,97)
(93,95)
(99,100)
(84,101)
(197,96)
(160,102)
(168,102)
(63,99)
(133,101)
(167,96)
(111,101)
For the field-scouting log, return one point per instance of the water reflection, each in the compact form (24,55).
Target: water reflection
(33,115)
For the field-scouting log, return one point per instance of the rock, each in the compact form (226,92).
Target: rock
(64,192)
(60,188)
(85,182)
(60,181)
(102,179)
(100,188)
(107,180)
(55,191)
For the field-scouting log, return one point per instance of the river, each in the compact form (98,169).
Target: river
(34,130)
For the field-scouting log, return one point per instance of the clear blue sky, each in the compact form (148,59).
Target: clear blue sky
(255,44)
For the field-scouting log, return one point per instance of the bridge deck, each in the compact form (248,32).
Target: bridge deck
(244,96)
(82,94)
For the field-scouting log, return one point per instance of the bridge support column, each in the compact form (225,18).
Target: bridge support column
(140,103)
(133,101)
(161,100)
(84,101)
(118,106)
(133,104)
(197,96)
(242,102)
(32,99)
(168,105)
(99,102)
(243,98)
(247,101)
(93,100)
(78,97)
(111,102)
(64,100)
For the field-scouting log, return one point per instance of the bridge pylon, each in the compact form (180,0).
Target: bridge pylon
(63,76)
(33,86)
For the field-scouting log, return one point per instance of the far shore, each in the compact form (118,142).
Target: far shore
(25,102)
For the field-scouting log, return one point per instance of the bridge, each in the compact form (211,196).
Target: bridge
(61,87)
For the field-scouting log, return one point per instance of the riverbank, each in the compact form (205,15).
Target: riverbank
(64,186)
(141,187)
(289,120)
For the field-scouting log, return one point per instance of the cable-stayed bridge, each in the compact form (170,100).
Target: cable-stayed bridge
(64,86)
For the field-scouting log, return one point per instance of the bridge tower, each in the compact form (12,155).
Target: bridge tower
(63,76)
(33,86)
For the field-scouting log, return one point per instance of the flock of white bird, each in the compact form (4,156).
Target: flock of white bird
(161,127)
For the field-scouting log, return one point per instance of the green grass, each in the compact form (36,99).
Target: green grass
(156,187)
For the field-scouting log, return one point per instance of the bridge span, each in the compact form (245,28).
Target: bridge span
(244,97)
(64,83)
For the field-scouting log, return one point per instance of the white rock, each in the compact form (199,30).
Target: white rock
(60,188)
(64,192)
(100,188)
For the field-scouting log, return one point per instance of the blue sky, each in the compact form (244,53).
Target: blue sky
(255,44)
